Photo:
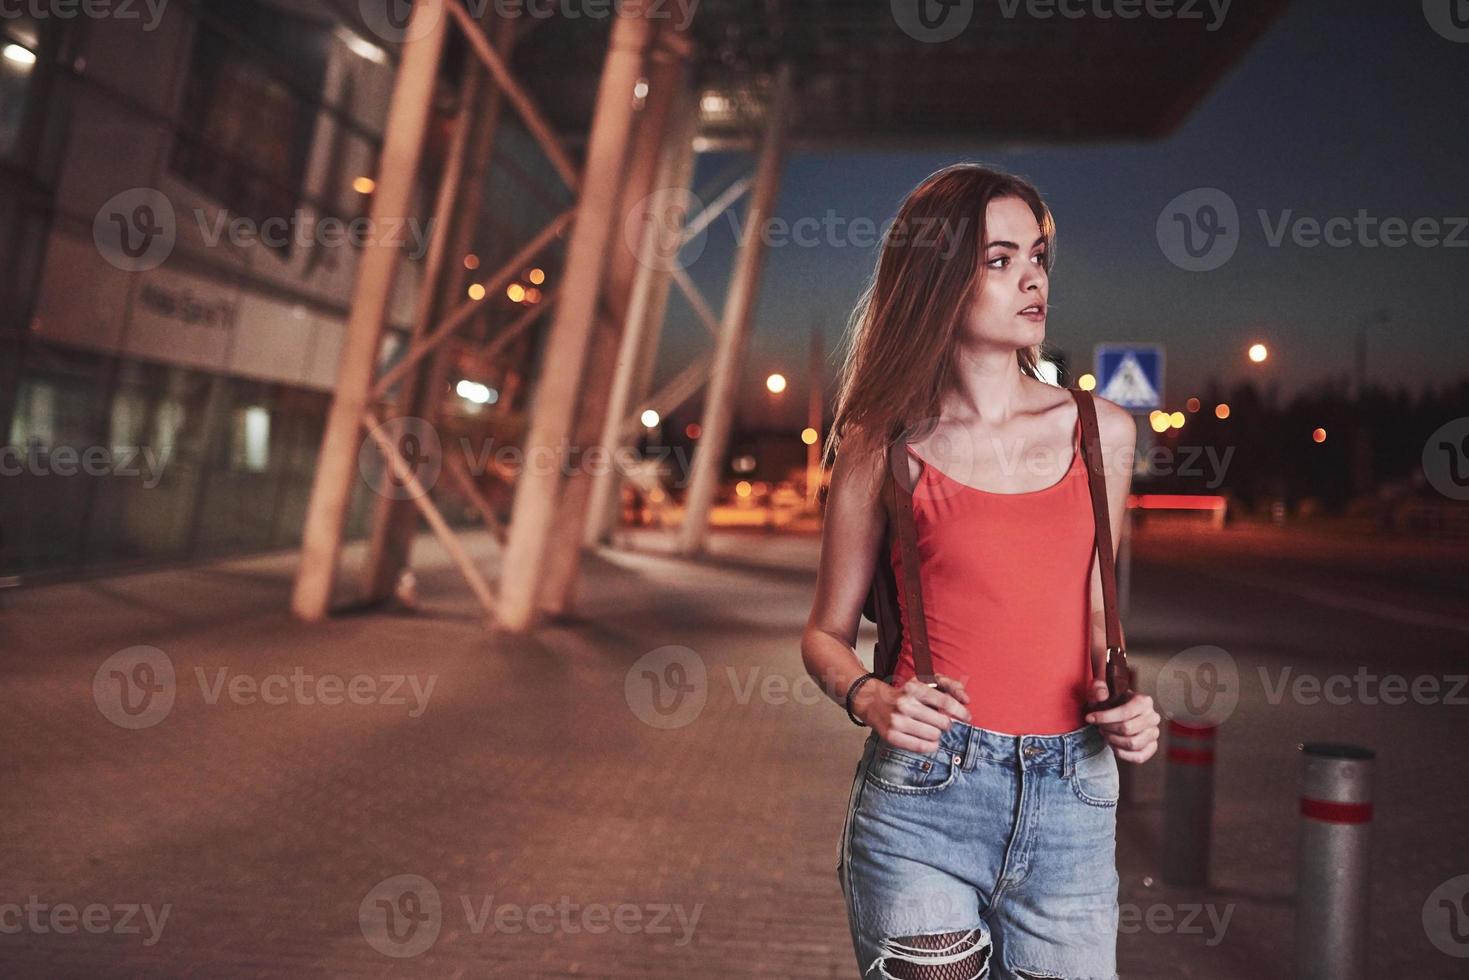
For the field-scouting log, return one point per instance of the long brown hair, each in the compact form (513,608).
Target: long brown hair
(902,337)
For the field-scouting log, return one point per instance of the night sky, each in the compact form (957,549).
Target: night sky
(1338,107)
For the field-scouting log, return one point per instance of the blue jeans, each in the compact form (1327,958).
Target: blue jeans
(997,851)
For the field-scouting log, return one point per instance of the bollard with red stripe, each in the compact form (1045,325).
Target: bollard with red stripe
(1331,888)
(1188,800)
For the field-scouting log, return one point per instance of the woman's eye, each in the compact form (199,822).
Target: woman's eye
(1039,257)
(999,262)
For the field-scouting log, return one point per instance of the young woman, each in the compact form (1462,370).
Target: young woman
(981,825)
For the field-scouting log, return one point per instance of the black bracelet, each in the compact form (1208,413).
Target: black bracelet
(853,690)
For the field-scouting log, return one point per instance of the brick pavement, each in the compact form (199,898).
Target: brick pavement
(565,826)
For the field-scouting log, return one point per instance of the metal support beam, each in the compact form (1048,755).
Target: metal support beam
(612,355)
(537,491)
(530,114)
(646,305)
(404,474)
(496,282)
(331,490)
(456,213)
(393,521)
(739,314)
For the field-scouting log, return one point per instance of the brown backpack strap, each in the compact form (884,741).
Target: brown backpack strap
(1118,682)
(899,501)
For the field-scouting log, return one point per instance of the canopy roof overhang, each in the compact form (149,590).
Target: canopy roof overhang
(862,80)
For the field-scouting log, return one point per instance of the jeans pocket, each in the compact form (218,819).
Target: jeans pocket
(895,770)
(1095,779)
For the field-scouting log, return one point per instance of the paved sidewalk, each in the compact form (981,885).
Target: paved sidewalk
(565,824)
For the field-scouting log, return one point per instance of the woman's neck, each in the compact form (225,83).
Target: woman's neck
(987,387)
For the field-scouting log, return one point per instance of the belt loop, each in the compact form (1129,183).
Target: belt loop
(1068,756)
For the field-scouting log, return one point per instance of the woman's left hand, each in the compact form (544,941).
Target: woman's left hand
(1131,728)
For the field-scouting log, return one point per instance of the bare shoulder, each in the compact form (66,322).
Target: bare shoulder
(857,470)
(1115,424)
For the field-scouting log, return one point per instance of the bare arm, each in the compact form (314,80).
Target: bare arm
(1131,728)
(911,716)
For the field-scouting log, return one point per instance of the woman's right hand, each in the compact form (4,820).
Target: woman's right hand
(913,716)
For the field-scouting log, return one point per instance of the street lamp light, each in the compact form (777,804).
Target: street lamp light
(1258,353)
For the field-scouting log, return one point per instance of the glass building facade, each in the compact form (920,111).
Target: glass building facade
(165,410)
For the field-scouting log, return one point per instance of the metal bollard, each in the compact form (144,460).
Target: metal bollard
(1188,800)
(1331,889)
(1126,771)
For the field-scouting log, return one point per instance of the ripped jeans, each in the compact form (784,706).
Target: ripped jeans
(993,857)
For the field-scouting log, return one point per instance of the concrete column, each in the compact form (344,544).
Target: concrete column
(456,215)
(537,490)
(336,465)
(646,304)
(393,521)
(739,309)
(666,67)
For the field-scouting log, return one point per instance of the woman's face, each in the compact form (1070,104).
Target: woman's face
(1009,311)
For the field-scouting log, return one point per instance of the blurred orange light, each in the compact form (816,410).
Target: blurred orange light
(692,430)
(743,488)
(536,276)
(1258,353)
(1319,435)
(471,261)
(364,185)
(1221,411)
(1176,420)
(776,383)
(533,295)
(1086,382)
(515,292)
(476,292)
(1192,404)
(808,436)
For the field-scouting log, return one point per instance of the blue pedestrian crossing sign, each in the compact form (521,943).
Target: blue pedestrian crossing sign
(1131,375)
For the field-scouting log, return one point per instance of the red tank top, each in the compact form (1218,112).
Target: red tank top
(1006,583)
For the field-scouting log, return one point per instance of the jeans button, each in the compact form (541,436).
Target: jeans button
(958,758)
